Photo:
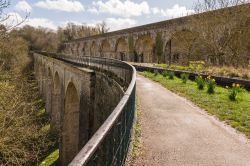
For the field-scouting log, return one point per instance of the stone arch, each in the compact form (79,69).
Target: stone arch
(48,90)
(83,49)
(106,49)
(56,103)
(79,49)
(180,47)
(122,50)
(94,49)
(144,47)
(70,135)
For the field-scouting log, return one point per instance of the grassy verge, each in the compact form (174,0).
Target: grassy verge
(212,70)
(235,113)
(136,142)
(51,160)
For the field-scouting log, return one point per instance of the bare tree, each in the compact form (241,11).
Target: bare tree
(16,21)
(219,30)
(102,27)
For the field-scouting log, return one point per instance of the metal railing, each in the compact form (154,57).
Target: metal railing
(110,144)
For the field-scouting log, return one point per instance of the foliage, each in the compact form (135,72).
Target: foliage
(210,85)
(171,75)
(237,113)
(40,39)
(51,160)
(165,73)
(200,82)
(197,66)
(156,73)
(234,91)
(184,77)
(228,71)
(101,27)
(159,46)
(22,138)
(12,50)
(225,38)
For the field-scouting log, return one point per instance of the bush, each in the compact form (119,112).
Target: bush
(171,75)
(184,77)
(156,73)
(210,85)
(197,66)
(165,74)
(234,91)
(200,82)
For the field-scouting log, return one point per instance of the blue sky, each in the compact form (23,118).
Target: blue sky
(118,14)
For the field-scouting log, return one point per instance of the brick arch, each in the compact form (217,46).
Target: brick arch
(144,47)
(70,124)
(122,49)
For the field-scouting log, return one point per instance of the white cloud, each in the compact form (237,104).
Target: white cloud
(15,19)
(23,6)
(174,12)
(62,5)
(120,23)
(41,22)
(112,23)
(121,8)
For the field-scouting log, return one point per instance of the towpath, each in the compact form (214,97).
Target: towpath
(177,133)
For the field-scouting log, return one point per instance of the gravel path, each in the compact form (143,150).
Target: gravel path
(177,133)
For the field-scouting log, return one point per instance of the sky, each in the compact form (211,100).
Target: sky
(118,14)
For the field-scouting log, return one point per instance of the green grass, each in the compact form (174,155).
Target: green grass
(51,160)
(234,113)
(178,67)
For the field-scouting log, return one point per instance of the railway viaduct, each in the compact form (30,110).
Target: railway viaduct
(91,104)
(91,97)
(138,44)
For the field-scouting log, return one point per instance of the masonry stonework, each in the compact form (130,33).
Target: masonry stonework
(116,44)
(78,101)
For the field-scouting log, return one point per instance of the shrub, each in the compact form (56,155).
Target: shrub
(210,85)
(197,66)
(184,77)
(200,82)
(234,91)
(171,75)
(156,73)
(165,74)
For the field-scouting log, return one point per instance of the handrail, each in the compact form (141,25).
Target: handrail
(88,150)
(117,127)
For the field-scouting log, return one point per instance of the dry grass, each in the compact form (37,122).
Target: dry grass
(23,138)
(228,71)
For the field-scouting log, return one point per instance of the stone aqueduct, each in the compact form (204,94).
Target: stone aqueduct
(117,44)
(91,98)
(91,103)
(138,44)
